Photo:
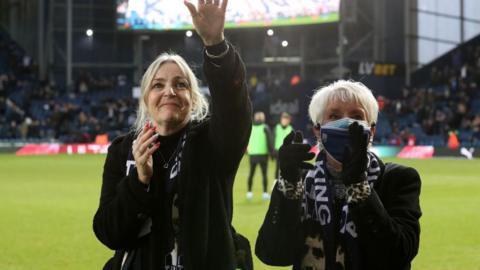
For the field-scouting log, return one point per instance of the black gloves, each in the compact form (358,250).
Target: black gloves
(354,167)
(292,156)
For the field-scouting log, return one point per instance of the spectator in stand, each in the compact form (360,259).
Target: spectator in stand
(459,115)
(476,126)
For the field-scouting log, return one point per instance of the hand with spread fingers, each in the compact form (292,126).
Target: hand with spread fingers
(292,156)
(143,148)
(208,19)
(354,168)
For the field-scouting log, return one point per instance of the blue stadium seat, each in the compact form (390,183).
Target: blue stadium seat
(475,106)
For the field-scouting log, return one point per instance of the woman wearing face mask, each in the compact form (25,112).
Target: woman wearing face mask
(349,210)
(166,200)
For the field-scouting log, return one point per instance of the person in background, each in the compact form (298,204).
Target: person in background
(260,147)
(166,199)
(350,210)
(281,131)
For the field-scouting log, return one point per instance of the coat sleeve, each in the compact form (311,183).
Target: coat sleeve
(230,124)
(280,232)
(124,202)
(388,221)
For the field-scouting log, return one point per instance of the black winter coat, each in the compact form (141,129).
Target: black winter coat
(387,224)
(210,159)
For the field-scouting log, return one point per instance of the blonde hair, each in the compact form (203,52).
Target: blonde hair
(199,110)
(345,91)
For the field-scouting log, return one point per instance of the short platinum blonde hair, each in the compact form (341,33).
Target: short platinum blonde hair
(199,110)
(345,91)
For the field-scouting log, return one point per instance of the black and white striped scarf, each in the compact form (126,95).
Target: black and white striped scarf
(173,260)
(332,225)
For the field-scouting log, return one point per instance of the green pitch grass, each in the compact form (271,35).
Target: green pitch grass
(47,204)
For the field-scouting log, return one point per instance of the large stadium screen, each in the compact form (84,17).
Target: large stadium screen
(173,15)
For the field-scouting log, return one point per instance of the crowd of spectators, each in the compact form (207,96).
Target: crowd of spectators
(41,111)
(448,104)
(34,110)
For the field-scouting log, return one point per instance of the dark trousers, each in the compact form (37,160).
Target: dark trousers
(261,160)
(277,169)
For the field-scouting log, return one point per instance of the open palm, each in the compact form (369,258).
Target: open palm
(209,19)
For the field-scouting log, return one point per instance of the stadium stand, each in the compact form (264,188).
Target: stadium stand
(39,111)
(445,99)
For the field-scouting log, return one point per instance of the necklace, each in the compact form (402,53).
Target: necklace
(178,148)
(167,162)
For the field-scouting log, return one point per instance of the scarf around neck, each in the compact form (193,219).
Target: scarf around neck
(173,171)
(328,227)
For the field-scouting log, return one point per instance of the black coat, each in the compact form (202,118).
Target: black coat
(210,159)
(387,223)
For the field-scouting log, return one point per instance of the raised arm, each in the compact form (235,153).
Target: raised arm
(225,73)
(281,230)
(208,19)
(387,222)
(389,227)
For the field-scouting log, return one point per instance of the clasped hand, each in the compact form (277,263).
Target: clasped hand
(355,159)
(292,156)
(142,149)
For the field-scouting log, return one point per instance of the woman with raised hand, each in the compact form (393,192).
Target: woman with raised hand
(348,210)
(166,199)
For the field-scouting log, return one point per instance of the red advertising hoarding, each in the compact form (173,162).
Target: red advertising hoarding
(55,148)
